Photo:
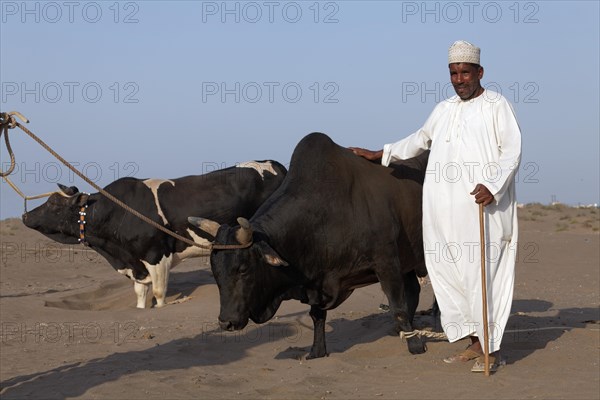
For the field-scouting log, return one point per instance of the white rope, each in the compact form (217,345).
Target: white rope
(442,336)
(25,197)
(429,334)
(181,300)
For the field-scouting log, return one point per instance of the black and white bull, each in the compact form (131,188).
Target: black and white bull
(135,248)
(336,223)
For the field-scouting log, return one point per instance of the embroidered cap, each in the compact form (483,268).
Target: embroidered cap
(463,52)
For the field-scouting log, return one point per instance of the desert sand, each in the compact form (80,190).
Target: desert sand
(70,329)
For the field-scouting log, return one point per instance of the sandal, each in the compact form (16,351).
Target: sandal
(495,363)
(466,355)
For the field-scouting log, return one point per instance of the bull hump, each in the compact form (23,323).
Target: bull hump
(259,167)
(153,185)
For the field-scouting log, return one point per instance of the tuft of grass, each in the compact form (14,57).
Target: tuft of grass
(554,207)
(535,203)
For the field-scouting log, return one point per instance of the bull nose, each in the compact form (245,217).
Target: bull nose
(24,217)
(226,325)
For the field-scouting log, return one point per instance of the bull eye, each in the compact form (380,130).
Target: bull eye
(244,268)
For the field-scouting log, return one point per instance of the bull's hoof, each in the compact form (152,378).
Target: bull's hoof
(416,345)
(425,312)
(316,354)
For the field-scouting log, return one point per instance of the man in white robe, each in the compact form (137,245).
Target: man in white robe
(475,145)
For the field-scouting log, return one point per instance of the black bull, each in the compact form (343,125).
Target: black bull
(336,223)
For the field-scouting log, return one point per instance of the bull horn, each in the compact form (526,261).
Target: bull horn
(207,225)
(67,191)
(244,233)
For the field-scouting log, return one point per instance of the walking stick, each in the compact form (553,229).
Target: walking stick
(486,346)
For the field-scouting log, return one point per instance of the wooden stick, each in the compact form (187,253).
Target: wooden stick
(486,346)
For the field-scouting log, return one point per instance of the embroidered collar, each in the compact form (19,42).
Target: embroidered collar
(81,222)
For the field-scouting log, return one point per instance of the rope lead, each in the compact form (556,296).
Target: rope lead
(8,121)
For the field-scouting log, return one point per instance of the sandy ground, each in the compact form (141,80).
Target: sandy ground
(69,329)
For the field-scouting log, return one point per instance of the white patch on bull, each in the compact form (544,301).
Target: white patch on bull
(141,290)
(153,185)
(139,286)
(260,167)
(146,281)
(127,272)
(159,274)
(192,251)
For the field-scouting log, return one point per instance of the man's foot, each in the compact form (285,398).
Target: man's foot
(495,363)
(467,355)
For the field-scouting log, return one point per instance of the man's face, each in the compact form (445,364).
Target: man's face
(466,78)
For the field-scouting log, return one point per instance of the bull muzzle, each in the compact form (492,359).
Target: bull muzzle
(232,325)
(226,325)
(26,220)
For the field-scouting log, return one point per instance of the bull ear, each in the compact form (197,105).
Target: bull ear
(81,200)
(207,225)
(271,256)
(69,191)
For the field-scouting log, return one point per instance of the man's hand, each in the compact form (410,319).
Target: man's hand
(482,195)
(368,154)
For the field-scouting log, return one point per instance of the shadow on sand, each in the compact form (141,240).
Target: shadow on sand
(527,332)
(205,349)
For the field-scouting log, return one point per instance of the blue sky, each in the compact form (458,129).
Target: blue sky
(167,89)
